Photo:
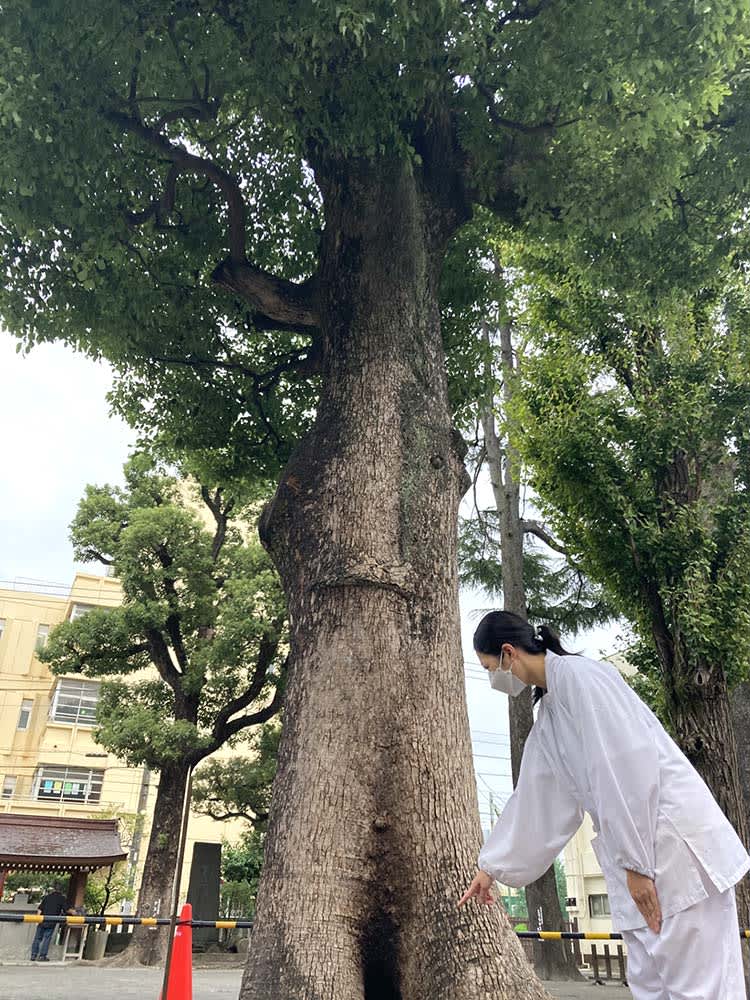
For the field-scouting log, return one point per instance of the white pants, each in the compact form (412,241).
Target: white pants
(697,955)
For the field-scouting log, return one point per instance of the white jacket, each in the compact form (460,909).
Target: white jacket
(596,747)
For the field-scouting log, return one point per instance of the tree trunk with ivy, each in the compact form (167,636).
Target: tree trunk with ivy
(696,691)
(700,712)
(374,829)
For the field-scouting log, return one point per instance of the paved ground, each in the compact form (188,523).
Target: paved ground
(89,982)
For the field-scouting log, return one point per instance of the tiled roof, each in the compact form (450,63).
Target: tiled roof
(60,842)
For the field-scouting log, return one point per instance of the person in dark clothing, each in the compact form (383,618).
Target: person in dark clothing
(52,905)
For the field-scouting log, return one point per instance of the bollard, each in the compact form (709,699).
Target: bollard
(621,963)
(595,962)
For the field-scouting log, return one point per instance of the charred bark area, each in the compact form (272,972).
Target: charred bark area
(380,960)
(374,828)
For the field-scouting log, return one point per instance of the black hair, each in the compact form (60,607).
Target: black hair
(499,627)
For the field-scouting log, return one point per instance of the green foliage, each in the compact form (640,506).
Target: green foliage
(106,889)
(237,900)
(636,408)
(557,593)
(583,112)
(202,604)
(240,787)
(562,885)
(241,865)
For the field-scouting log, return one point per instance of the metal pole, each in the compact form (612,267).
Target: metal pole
(177,880)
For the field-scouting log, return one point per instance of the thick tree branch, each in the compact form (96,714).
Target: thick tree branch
(267,651)
(282,302)
(220,512)
(159,652)
(100,557)
(536,528)
(172,624)
(225,725)
(548,127)
(255,718)
(222,814)
(305,361)
(288,305)
(186,162)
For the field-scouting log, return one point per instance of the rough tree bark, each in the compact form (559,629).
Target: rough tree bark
(703,726)
(697,694)
(740,706)
(149,947)
(740,709)
(551,960)
(374,828)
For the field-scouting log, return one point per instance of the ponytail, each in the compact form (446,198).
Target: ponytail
(499,627)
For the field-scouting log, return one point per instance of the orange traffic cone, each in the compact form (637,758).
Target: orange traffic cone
(180,983)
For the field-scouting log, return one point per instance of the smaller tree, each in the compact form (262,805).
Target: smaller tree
(192,657)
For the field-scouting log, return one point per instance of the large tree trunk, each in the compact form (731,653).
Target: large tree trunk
(149,946)
(699,707)
(740,706)
(697,694)
(552,960)
(740,709)
(374,828)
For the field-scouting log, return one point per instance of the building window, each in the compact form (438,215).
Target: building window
(2,627)
(75,702)
(599,905)
(68,784)
(42,634)
(9,786)
(78,610)
(24,716)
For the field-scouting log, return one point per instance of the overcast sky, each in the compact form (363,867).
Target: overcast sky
(58,435)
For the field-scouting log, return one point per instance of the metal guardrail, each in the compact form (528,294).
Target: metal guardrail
(135,921)
(125,921)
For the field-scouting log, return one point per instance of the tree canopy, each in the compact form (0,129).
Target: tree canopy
(639,443)
(192,657)
(181,238)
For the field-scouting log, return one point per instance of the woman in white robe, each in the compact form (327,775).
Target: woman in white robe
(669,856)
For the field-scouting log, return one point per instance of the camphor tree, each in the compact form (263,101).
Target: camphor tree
(220,189)
(190,659)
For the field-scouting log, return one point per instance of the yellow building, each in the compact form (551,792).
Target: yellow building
(50,763)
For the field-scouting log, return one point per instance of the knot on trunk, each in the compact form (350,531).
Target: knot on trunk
(702,677)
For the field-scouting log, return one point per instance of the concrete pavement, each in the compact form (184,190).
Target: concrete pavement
(92,982)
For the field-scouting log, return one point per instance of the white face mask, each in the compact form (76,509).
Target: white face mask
(507,682)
